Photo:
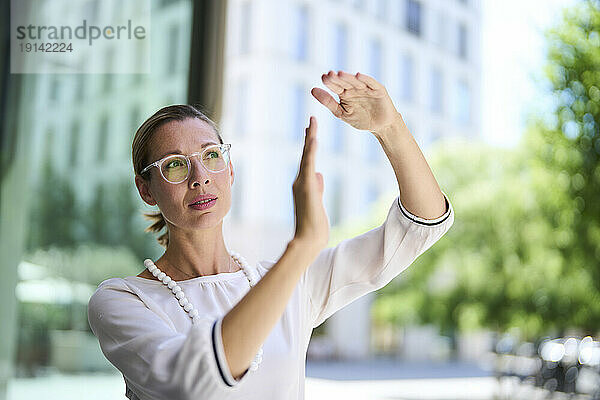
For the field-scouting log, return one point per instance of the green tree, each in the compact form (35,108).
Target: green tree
(112,218)
(500,266)
(53,211)
(523,251)
(567,140)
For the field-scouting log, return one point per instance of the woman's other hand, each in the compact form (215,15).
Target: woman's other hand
(364,103)
(312,223)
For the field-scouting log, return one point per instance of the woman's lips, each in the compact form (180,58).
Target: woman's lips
(203,206)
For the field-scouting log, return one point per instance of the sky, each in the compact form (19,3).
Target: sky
(513,54)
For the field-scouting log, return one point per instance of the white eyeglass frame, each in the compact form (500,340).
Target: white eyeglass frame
(224,147)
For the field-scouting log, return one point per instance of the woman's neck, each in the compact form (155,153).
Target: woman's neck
(189,261)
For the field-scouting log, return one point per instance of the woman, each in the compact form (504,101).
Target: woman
(199,322)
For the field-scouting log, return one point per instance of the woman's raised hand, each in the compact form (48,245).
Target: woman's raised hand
(364,103)
(312,223)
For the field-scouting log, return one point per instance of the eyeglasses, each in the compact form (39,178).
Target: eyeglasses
(176,168)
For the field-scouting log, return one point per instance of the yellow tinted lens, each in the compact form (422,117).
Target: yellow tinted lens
(175,169)
(213,159)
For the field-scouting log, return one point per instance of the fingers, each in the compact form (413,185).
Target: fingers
(340,81)
(327,100)
(333,77)
(307,163)
(370,82)
(351,80)
(328,81)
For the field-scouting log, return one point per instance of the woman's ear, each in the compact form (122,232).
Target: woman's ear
(231,174)
(144,190)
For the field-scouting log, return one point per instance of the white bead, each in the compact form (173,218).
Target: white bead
(156,272)
(149,264)
(260,351)
(179,295)
(161,276)
(183,301)
(194,312)
(166,279)
(253,366)
(258,359)
(171,284)
(176,289)
(196,319)
(187,307)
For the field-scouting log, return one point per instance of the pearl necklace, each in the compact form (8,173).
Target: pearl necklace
(188,307)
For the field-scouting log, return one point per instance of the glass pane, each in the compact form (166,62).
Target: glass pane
(85,223)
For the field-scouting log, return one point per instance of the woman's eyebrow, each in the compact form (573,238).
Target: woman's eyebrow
(177,151)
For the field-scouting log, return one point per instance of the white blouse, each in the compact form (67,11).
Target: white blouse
(146,334)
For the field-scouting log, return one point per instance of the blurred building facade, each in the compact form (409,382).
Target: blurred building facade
(426,53)
(85,123)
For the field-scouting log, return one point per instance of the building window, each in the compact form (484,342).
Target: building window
(300,33)
(380,9)
(337,136)
(48,149)
(135,119)
(340,43)
(372,194)
(463,103)
(92,10)
(80,89)
(299,122)
(54,89)
(238,194)
(435,135)
(372,149)
(108,75)
(436,91)
(336,200)
(358,4)
(74,143)
(462,41)
(140,55)
(241,108)
(102,139)
(375,59)
(413,17)
(173,44)
(410,127)
(288,203)
(408,68)
(245,30)
(166,3)
(440,30)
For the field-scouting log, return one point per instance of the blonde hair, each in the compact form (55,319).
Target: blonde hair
(140,150)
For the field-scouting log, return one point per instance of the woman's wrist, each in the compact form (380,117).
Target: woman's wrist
(303,248)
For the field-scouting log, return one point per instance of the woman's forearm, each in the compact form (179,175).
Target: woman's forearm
(248,324)
(419,191)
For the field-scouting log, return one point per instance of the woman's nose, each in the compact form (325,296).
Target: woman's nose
(198,174)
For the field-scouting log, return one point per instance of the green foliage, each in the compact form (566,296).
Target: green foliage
(501,265)
(569,142)
(112,218)
(524,248)
(53,211)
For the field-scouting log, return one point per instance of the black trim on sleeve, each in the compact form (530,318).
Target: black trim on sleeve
(214,343)
(425,223)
